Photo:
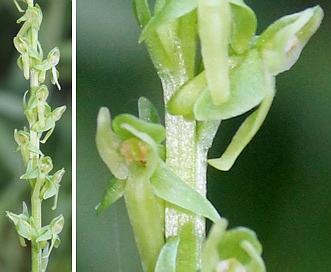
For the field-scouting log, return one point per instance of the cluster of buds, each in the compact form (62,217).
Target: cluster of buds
(41,119)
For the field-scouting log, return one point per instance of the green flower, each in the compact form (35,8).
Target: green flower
(232,250)
(130,146)
(23,223)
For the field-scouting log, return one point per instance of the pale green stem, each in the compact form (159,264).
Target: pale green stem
(185,161)
(36,253)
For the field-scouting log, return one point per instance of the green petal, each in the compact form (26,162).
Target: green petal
(108,146)
(167,258)
(115,191)
(248,87)
(172,10)
(214,19)
(244,134)
(281,44)
(243,26)
(169,187)
(155,131)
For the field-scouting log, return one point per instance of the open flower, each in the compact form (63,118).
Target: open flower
(129,147)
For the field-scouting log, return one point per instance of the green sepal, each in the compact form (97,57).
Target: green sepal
(168,186)
(214,23)
(115,191)
(108,145)
(247,130)
(248,86)
(243,26)
(172,10)
(141,11)
(166,261)
(155,131)
(147,111)
(282,42)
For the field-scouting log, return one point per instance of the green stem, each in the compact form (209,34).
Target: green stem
(36,253)
(172,50)
(184,160)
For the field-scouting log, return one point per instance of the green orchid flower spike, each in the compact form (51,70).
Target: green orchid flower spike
(130,148)
(252,82)
(41,123)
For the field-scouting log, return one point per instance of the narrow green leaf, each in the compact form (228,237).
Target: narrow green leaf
(167,258)
(108,146)
(155,131)
(147,111)
(245,133)
(172,10)
(115,191)
(214,19)
(248,87)
(169,187)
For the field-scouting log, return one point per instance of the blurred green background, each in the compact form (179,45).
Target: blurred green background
(281,184)
(55,31)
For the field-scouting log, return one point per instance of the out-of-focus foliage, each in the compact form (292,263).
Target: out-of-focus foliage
(55,31)
(280,186)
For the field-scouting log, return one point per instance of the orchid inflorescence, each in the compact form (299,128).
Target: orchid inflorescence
(41,119)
